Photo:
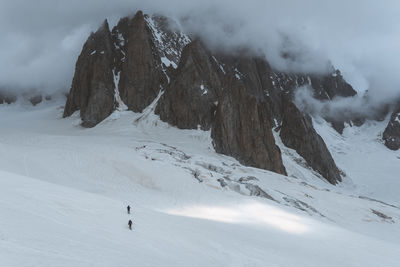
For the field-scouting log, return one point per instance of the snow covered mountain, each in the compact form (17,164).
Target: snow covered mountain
(64,191)
(239,97)
(220,166)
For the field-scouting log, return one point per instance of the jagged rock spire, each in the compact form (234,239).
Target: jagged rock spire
(92,90)
(240,97)
(298,133)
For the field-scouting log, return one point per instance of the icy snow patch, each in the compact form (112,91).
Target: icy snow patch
(203,89)
(397,119)
(117,97)
(168,62)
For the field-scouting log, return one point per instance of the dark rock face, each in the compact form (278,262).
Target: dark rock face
(92,90)
(124,66)
(298,133)
(190,98)
(338,125)
(239,96)
(251,99)
(241,124)
(168,39)
(7,98)
(142,76)
(328,86)
(242,129)
(391,135)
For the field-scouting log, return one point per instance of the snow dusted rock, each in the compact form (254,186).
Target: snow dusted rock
(391,135)
(92,90)
(125,67)
(168,39)
(142,74)
(146,46)
(190,99)
(239,96)
(298,133)
(243,130)
(327,87)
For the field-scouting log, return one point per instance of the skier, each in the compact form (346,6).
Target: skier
(128,209)
(130,225)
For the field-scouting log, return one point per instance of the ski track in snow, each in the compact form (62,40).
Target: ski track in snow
(64,190)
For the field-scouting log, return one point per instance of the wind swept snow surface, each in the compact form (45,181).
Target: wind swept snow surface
(64,191)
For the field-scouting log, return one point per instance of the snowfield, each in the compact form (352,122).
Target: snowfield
(64,191)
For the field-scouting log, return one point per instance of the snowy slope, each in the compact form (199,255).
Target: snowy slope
(361,152)
(64,189)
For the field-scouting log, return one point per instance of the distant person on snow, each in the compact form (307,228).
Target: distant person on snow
(130,225)
(128,209)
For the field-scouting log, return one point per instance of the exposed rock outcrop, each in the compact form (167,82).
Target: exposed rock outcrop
(124,67)
(298,133)
(142,75)
(238,96)
(190,99)
(92,90)
(391,135)
(327,87)
(242,129)
(251,104)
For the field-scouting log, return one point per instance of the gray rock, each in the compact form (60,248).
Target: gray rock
(298,133)
(391,135)
(190,99)
(238,96)
(242,129)
(327,87)
(142,76)
(127,62)
(92,90)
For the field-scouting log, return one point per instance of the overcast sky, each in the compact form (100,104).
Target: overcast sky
(41,39)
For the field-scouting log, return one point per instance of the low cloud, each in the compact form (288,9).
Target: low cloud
(42,39)
(361,106)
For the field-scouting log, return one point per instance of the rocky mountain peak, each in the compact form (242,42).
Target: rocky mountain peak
(197,84)
(92,90)
(297,132)
(243,129)
(238,96)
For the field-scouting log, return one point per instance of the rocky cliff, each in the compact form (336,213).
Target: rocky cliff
(238,96)
(141,76)
(298,133)
(126,66)
(92,90)
(391,135)
(243,129)
(190,99)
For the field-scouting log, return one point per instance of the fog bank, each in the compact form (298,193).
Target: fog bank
(42,39)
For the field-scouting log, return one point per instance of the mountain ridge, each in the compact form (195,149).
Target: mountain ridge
(239,97)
